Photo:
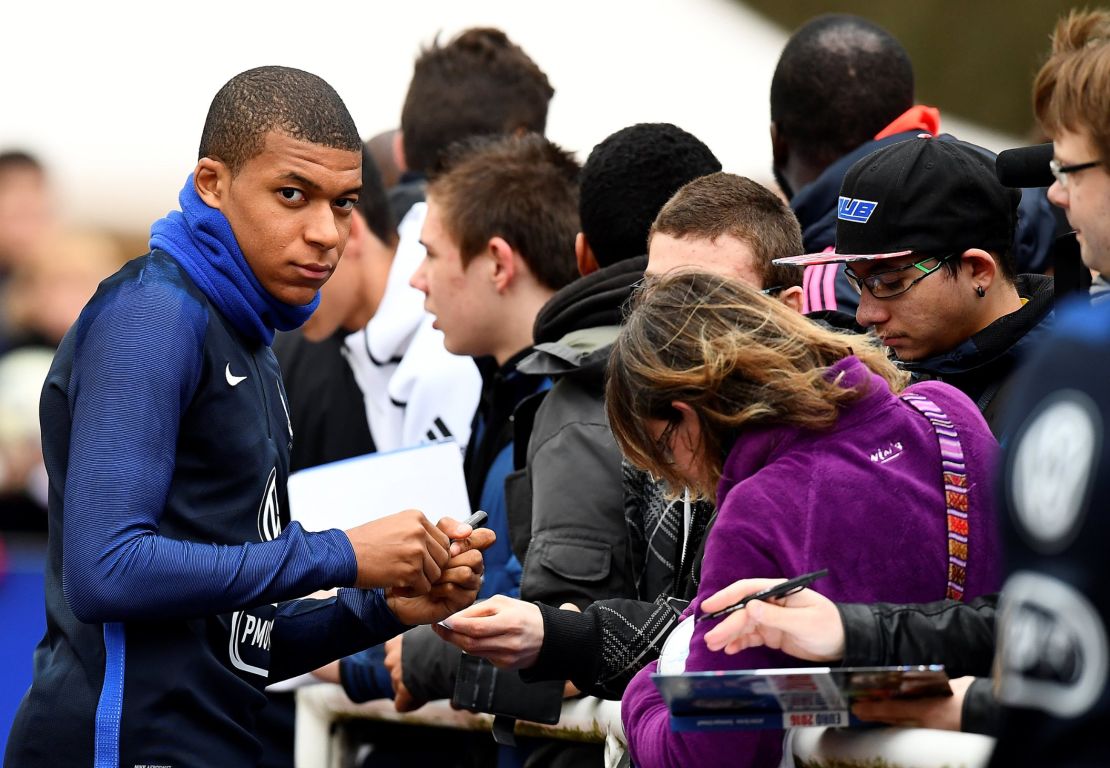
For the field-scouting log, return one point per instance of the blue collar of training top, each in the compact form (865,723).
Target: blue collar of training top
(200,239)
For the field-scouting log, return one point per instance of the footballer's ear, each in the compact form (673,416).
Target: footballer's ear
(211,179)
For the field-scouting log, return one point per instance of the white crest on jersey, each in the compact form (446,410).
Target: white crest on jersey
(1050,478)
(269,512)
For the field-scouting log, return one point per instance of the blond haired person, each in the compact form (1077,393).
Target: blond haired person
(818,459)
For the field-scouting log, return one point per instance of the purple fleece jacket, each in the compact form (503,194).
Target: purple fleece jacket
(864,499)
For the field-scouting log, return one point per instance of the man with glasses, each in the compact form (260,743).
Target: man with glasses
(1082,189)
(926,206)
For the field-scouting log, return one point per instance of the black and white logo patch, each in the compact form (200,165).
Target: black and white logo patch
(1050,477)
(1052,648)
(269,511)
(249,640)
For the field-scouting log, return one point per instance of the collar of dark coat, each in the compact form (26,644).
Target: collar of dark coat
(1002,342)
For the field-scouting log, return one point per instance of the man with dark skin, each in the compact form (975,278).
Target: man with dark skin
(174,569)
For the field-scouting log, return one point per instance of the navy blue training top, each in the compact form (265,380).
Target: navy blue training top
(166,438)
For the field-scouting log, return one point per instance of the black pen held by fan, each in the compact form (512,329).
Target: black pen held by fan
(788,587)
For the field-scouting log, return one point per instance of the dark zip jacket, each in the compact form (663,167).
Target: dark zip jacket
(982,365)
(565,498)
(637,571)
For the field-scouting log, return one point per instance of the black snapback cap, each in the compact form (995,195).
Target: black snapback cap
(924,195)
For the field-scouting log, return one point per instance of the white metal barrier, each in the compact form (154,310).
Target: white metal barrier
(889,747)
(319,707)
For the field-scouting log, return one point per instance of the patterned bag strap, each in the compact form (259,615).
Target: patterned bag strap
(955,490)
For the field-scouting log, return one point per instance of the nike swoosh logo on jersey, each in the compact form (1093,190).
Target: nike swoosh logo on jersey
(232,379)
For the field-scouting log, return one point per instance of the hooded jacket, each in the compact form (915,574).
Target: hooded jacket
(566,500)
(982,365)
(621,551)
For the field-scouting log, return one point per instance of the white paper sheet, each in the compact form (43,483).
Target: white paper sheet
(347,493)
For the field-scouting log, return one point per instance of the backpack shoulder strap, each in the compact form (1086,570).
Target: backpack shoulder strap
(956,498)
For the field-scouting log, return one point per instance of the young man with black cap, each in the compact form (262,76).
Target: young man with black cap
(933,205)
(842,89)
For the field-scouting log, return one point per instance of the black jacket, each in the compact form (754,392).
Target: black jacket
(982,365)
(961,636)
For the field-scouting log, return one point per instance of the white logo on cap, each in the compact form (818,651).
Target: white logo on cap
(1050,478)
(859,211)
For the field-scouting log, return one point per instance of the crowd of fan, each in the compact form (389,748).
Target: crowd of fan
(673,384)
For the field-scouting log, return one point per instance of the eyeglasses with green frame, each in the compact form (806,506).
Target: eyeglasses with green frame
(894,282)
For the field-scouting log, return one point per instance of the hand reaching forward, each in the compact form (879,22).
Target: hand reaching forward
(506,631)
(941,712)
(403,701)
(403,551)
(806,624)
(458,584)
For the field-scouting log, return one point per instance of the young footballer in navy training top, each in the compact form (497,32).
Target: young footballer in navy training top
(173,569)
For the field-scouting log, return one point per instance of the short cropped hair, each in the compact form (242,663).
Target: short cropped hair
(840,80)
(289,101)
(373,201)
(626,180)
(520,188)
(1072,90)
(724,204)
(480,83)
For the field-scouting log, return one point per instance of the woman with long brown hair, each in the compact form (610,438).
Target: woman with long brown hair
(818,456)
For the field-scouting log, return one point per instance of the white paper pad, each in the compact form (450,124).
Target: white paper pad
(348,493)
